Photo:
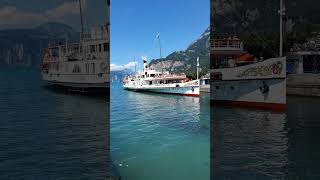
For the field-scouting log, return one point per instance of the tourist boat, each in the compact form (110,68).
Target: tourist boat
(150,80)
(240,79)
(79,66)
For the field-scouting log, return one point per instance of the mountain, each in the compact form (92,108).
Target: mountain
(23,46)
(244,16)
(117,76)
(257,22)
(186,61)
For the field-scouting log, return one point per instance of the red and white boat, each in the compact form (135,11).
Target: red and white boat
(240,80)
(150,80)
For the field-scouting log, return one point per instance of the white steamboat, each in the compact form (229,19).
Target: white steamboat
(83,65)
(150,80)
(259,84)
(239,79)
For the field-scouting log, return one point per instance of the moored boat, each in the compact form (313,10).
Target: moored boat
(150,80)
(240,79)
(80,66)
(258,84)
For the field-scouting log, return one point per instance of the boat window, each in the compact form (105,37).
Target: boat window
(66,69)
(105,47)
(93,68)
(152,75)
(92,48)
(87,68)
(76,69)
(150,82)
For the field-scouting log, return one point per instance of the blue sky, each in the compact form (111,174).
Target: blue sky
(135,24)
(30,13)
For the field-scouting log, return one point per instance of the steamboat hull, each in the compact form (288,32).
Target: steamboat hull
(248,94)
(261,85)
(183,91)
(77,83)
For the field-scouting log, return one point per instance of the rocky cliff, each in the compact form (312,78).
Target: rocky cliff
(23,46)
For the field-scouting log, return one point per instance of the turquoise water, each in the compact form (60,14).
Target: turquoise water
(156,136)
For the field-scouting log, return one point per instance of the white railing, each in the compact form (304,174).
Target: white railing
(226,43)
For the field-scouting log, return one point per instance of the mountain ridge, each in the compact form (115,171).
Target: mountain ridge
(185,61)
(23,46)
(256,23)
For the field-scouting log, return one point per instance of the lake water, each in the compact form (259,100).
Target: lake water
(157,136)
(248,144)
(45,134)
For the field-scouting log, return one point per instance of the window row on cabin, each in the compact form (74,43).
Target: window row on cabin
(99,48)
(53,66)
(90,68)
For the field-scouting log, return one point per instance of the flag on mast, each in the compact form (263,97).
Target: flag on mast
(158,35)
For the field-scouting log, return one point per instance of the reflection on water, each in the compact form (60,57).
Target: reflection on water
(250,144)
(156,136)
(46,134)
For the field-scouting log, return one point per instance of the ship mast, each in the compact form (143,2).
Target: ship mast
(282,13)
(158,37)
(135,64)
(81,18)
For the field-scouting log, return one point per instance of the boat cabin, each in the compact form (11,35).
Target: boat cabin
(227,52)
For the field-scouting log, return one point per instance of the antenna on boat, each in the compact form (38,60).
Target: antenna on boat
(282,13)
(81,18)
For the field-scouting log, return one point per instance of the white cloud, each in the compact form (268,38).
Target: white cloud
(115,67)
(11,17)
